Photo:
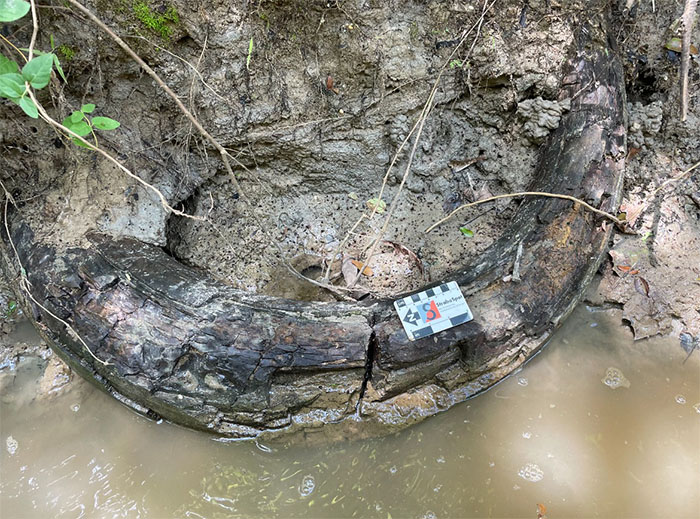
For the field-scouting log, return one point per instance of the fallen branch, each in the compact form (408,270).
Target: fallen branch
(528,193)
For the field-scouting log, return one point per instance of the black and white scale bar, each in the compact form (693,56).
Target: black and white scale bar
(433,310)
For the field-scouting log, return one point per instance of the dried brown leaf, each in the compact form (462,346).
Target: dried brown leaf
(349,271)
(641,285)
(632,212)
(366,272)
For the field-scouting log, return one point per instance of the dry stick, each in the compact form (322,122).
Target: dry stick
(385,180)
(527,193)
(52,122)
(35,31)
(382,231)
(225,155)
(14,47)
(194,69)
(675,179)
(688,20)
(426,110)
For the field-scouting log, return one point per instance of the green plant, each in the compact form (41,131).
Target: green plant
(376,205)
(161,24)
(11,309)
(11,10)
(16,84)
(250,54)
(80,123)
(67,52)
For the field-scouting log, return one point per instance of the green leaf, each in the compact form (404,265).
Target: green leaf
(105,123)
(7,66)
(29,107)
(80,143)
(82,128)
(38,71)
(59,69)
(467,232)
(87,108)
(377,205)
(11,10)
(11,86)
(76,117)
(250,54)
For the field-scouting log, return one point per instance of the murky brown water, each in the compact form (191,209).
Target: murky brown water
(554,433)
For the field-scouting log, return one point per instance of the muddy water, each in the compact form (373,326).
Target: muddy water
(594,426)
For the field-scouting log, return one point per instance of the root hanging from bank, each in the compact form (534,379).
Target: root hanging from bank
(523,194)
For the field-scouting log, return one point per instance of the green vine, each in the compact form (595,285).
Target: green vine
(17,82)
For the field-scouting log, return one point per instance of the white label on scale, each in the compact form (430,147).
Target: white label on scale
(433,310)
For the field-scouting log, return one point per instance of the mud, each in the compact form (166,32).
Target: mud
(654,272)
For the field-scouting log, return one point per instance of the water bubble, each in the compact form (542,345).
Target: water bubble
(393,469)
(308,484)
(429,515)
(697,407)
(527,435)
(11,444)
(614,378)
(531,472)
(680,399)
(75,408)
(522,381)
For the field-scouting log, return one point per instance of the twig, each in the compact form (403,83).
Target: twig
(194,69)
(527,193)
(46,117)
(688,20)
(35,31)
(426,111)
(678,177)
(14,47)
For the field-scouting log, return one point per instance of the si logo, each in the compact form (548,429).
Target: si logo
(429,311)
